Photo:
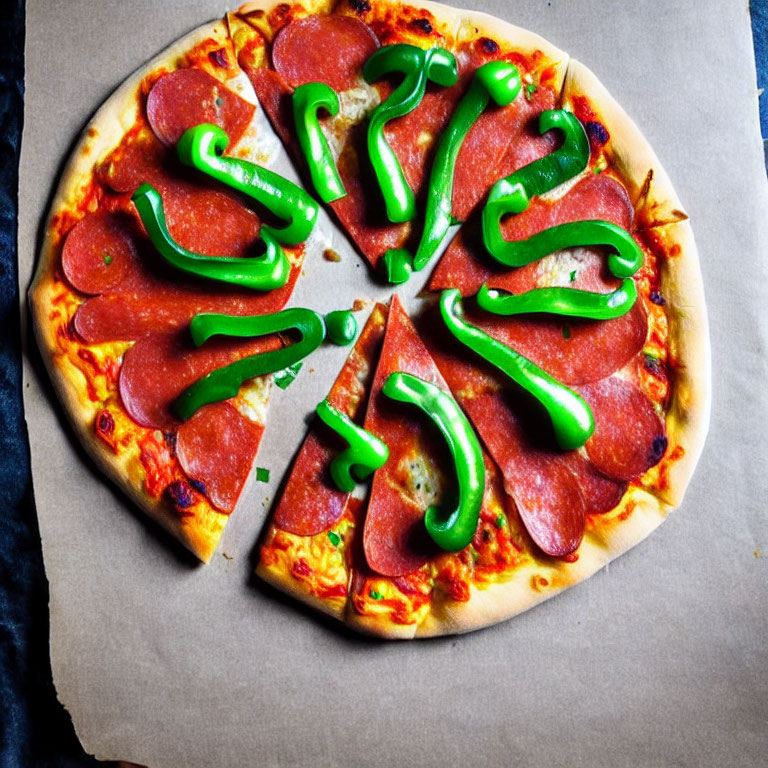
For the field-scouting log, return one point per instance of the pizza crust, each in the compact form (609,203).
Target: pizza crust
(690,405)
(542,578)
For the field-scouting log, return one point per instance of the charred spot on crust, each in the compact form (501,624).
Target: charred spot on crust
(170,441)
(198,485)
(488,46)
(656,297)
(651,365)
(180,494)
(597,132)
(219,58)
(423,25)
(105,423)
(658,448)
(360,6)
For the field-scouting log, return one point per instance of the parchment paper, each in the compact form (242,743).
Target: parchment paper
(658,660)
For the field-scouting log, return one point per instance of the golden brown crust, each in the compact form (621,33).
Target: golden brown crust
(540,578)
(380,625)
(201,532)
(284,581)
(689,408)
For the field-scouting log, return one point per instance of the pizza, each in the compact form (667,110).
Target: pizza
(535,411)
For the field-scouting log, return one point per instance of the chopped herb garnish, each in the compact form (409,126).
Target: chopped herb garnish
(376,595)
(566,332)
(573,275)
(285,378)
(530,89)
(107,258)
(334,538)
(219,101)
(262,475)
(501,521)
(473,553)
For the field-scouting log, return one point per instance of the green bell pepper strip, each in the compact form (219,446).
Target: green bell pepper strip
(571,417)
(626,260)
(365,452)
(341,327)
(307,100)
(203,147)
(512,194)
(225,382)
(397,265)
(452,531)
(561,301)
(418,66)
(259,273)
(496,81)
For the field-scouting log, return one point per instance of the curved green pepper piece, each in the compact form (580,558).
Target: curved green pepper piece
(561,301)
(307,100)
(627,259)
(225,382)
(341,327)
(512,194)
(572,420)
(365,454)
(260,273)
(455,530)
(203,147)
(496,81)
(418,66)
(397,265)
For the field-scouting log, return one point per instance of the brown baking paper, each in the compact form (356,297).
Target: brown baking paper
(660,659)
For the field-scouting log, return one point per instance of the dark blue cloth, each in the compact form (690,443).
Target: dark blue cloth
(759,11)
(34,728)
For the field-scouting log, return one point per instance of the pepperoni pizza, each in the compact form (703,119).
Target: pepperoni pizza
(113,320)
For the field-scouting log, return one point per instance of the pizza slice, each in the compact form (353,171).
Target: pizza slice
(112,317)
(283,48)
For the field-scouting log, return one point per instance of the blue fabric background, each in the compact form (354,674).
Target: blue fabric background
(34,728)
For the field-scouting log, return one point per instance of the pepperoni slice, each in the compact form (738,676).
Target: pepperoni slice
(574,351)
(548,486)
(134,163)
(600,493)
(98,253)
(208,221)
(311,503)
(154,297)
(217,447)
(156,369)
(328,49)
(151,307)
(502,140)
(466,264)
(188,97)
(629,436)
(275,97)
(394,539)
(546,493)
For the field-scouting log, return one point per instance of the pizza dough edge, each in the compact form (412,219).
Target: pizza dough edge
(101,135)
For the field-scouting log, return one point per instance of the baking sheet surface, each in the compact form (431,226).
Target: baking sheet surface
(659,659)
